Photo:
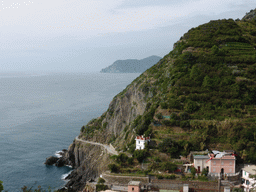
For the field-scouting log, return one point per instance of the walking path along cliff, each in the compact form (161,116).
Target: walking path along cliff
(109,148)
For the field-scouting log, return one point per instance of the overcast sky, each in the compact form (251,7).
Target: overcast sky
(88,35)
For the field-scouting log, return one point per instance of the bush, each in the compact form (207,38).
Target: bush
(184,116)
(166,122)
(168,166)
(202,178)
(121,158)
(140,155)
(101,187)
(159,116)
(113,168)
(174,116)
(191,106)
(132,148)
(101,180)
(184,124)
(1,186)
(159,177)
(214,50)
(105,125)
(193,171)
(170,177)
(130,161)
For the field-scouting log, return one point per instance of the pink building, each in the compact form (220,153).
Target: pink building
(222,162)
(216,163)
(134,186)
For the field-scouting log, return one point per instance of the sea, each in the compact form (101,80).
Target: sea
(41,114)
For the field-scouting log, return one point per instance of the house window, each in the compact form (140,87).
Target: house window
(213,170)
(214,163)
(230,170)
(230,163)
(247,182)
(139,142)
(244,173)
(222,163)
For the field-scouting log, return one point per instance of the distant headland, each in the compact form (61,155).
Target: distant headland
(131,65)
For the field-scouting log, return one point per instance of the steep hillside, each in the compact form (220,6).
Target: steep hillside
(202,95)
(131,65)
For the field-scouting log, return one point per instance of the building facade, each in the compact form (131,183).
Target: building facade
(201,162)
(216,163)
(134,186)
(247,182)
(141,141)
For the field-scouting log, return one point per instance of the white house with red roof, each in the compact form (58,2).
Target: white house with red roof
(141,141)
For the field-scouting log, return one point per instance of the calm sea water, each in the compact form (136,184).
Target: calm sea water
(41,114)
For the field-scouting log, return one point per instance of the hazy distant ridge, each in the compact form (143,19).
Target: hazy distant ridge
(131,65)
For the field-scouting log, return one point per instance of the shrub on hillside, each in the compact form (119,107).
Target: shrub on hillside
(159,116)
(101,187)
(168,166)
(113,168)
(140,155)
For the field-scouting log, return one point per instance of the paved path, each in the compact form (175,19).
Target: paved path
(110,149)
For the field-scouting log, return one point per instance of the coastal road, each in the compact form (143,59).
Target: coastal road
(109,148)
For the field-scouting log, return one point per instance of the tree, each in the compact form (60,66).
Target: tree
(191,106)
(101,187)
(214,50)
(140,155)
(193,171)
(159,116)
(207,83)
(1,186)
(113,168)
(101,180)
(168,166)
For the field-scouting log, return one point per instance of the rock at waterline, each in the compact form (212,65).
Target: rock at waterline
(60,162)
(51,160)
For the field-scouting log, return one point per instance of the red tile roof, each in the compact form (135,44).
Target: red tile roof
(142,138)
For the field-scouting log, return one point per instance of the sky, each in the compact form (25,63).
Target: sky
(88,35)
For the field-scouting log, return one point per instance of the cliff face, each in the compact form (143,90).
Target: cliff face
(123,110)
(89,160)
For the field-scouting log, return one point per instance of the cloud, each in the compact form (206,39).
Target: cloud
(121,29)
(89,18)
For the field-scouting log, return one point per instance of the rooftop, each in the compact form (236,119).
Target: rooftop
(201,157)
(142,138)
(223,155)
(250,169)
(134,183)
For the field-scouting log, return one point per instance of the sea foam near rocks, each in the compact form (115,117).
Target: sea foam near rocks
(58,154)
(63,177)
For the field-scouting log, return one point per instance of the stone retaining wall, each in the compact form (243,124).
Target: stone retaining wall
(195,186)
(123,180)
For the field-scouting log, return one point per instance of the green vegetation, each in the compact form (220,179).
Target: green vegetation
(1,186)
(199,96)
(113,168)
(100,185)
(208,86)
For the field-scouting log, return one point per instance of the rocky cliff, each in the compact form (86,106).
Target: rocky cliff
(89,160)
(131,65)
